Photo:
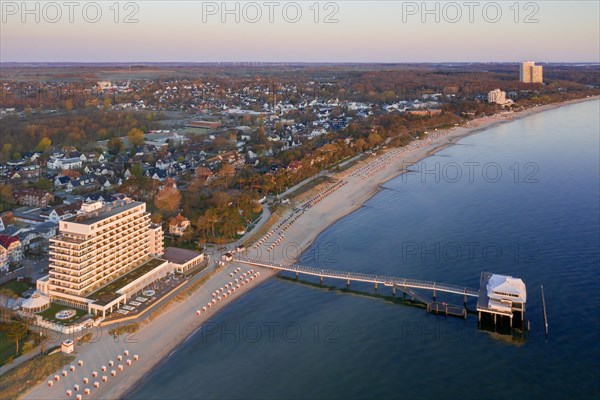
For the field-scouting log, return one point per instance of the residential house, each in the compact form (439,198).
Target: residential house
(60,213)
(61,182)
(65,163)
(33,197)
(14,251)
(178,225)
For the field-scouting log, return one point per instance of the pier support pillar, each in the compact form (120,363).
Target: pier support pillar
(479,316)
(403,295)
(297,274)
(494,319)
(511,322)
(375,285)
(321,280)
(394,291)
(348,283)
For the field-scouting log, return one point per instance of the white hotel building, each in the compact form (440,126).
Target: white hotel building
(103,255)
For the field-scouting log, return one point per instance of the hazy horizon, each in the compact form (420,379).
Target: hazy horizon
(300,32)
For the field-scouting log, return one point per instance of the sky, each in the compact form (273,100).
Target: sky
(299,31)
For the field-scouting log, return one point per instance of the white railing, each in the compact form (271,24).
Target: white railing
(361,277)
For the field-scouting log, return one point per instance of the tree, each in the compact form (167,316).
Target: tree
(6,295)
(374,139)
(135,137)
(360,145)
(220,199)
(6,194)
(43,184)
(156,218)
(115,146)
(7,149)
(43,144)
(15,331)
(136,170)
(168,199)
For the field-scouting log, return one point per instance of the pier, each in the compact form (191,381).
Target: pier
(498,295)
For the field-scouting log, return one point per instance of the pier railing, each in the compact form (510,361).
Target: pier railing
(361,277)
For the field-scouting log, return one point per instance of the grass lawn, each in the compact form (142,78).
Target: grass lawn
(18,380)
(15,286)
(50,314)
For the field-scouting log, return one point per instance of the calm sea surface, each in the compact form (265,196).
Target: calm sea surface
(520,199)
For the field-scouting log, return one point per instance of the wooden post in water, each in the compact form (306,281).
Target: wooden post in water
(544,307)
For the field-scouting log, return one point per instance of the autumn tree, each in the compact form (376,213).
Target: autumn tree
(168,199)
(6,194)
(156,218)
(360,145)
(374,139)
(43,144)
(115,146)
(135,137)
(7,149)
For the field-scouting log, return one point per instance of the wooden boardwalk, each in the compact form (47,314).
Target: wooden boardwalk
(401,283)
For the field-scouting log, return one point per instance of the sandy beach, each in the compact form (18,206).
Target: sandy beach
(158,338)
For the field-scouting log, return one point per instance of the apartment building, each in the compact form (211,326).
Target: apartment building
(530,73)
(497,96)
(102,255)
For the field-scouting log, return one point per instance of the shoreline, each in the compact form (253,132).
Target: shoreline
(158,339)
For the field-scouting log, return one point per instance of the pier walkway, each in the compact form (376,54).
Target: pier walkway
(401,283)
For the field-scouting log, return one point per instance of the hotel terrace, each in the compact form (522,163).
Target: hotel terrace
(103,255)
